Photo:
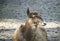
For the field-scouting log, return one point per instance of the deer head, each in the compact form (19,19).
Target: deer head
(34,18)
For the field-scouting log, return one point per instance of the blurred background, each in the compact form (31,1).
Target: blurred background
(13,13)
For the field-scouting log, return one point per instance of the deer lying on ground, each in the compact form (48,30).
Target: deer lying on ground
(32,30)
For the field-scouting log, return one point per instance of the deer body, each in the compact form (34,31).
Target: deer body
(32,30)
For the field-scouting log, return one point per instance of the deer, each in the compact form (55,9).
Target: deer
(32,30)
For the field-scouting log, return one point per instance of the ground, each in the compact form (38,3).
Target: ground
(7,28)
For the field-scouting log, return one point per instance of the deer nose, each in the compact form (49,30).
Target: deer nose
(43,24)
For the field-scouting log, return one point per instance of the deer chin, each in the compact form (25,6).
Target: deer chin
(35,26)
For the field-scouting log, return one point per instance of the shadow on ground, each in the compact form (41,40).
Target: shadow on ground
(5,39)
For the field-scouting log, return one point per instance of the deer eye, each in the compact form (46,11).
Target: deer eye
(39,17)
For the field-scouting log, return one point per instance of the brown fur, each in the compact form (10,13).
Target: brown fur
(27,32)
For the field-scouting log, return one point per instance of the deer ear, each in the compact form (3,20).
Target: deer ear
(28,11)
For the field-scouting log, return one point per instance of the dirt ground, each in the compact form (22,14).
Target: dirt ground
(7,28)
